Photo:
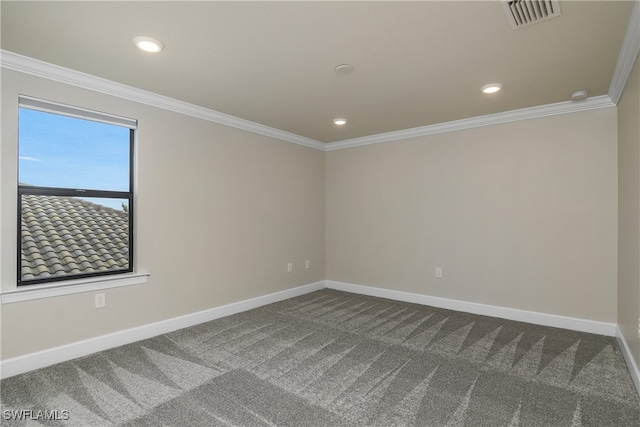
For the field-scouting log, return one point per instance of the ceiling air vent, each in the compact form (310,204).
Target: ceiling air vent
(521,13)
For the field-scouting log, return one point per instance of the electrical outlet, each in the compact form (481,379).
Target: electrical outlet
(307,264)
(638,327)
(101,301)
(439,272)
(289,267)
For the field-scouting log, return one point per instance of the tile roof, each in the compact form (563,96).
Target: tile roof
(65,235)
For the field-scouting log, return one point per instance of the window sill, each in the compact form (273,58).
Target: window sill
(32,292)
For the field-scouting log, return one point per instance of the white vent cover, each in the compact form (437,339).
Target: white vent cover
(521,13)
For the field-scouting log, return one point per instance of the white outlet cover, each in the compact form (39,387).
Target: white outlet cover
(100,301)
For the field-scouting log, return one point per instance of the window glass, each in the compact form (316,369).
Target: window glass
(74,195)
(64,236)
(67,152)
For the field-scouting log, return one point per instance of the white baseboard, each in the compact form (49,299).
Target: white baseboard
(582,325)
(628,357)
(41,359)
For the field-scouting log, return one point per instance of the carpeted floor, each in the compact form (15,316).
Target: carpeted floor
(332,358)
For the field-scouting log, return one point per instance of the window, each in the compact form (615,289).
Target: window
(75,193)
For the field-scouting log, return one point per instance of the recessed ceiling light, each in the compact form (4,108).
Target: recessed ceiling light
(343,69)
(148,44)
(579,95)
(340,122)
(491,88)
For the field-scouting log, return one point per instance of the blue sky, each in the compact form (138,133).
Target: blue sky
(61,151)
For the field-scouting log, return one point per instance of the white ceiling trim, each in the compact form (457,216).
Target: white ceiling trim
(626,60)
(524,114)
(34,67)
(627,56)
(24,64)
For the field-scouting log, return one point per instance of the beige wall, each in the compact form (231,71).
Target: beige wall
(520,215)
(629,212)
(220,212)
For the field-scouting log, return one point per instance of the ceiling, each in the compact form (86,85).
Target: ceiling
(415,63)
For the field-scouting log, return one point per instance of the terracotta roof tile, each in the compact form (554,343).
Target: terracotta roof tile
(65,235)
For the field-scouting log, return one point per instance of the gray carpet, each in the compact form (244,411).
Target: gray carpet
(332,358)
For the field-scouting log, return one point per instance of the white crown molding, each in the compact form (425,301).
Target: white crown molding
(34,67)
(627,56)
(20,63)
(626,60)
(509,116)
